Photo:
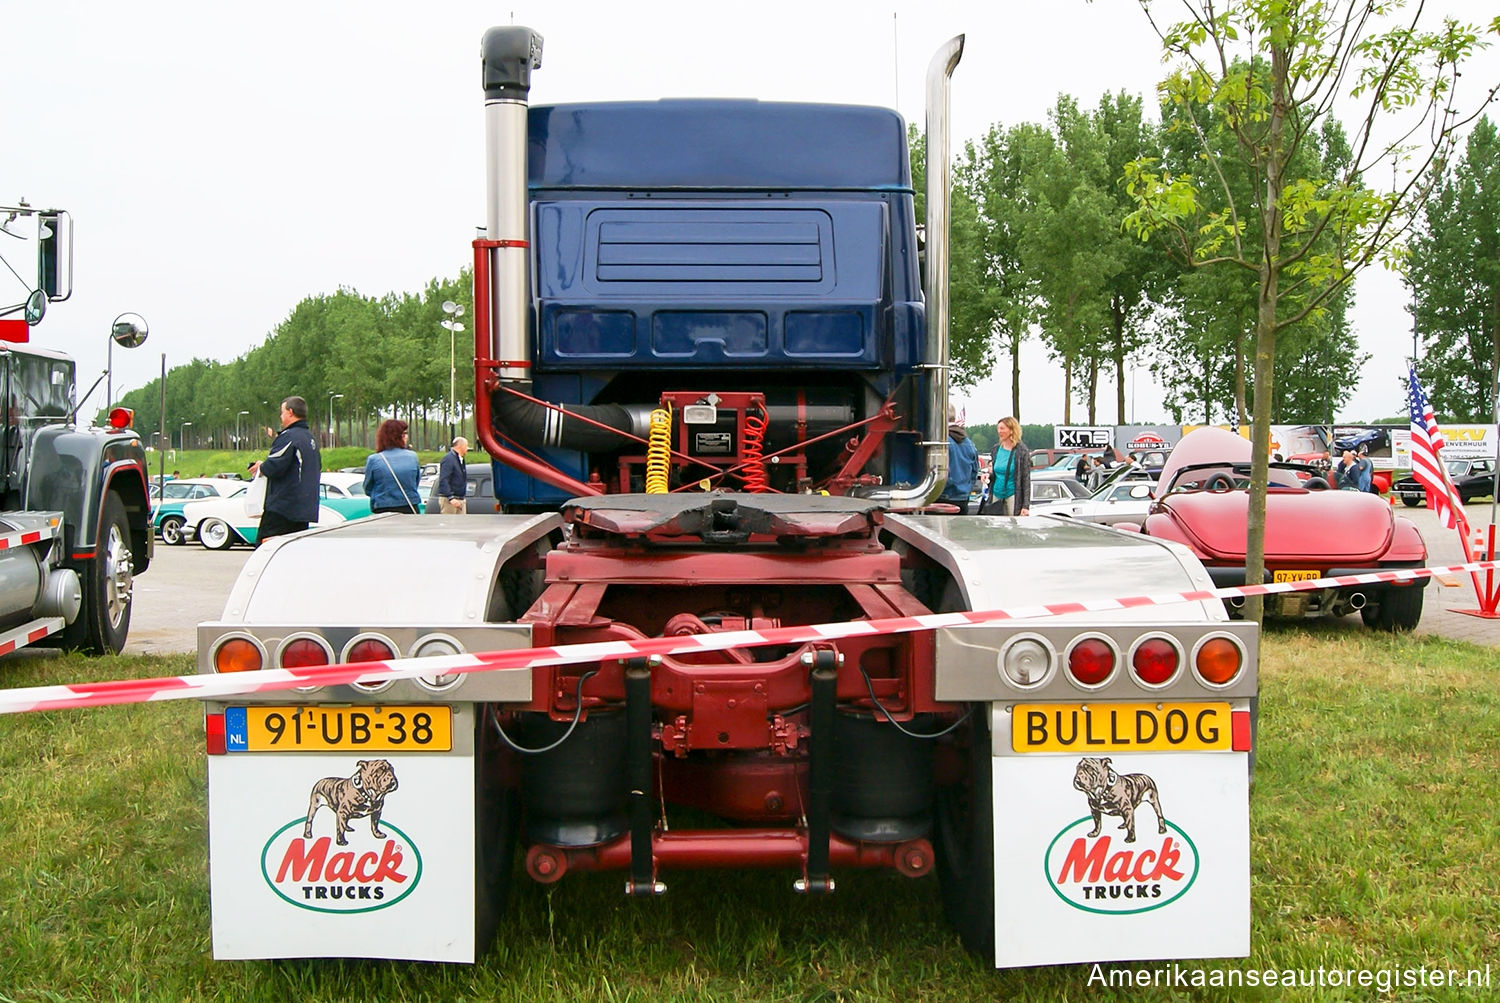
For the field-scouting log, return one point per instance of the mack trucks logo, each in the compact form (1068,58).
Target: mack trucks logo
(326,873)
(1109,874)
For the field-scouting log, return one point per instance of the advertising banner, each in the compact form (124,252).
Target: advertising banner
(1147,438)
(1092,437)
(333,855)
(1129,856)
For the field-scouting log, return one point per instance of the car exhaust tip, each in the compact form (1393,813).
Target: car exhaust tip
(1357,601)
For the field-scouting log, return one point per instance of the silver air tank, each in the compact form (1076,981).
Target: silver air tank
(939,184)
(508,54)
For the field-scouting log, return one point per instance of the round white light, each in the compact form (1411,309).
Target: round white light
(1026,661)
(431,647)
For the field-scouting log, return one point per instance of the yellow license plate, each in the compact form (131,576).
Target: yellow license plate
(339,729)
(1121,727)
(1295,576)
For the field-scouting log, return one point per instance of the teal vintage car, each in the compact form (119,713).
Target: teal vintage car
(221,523)
(166,515)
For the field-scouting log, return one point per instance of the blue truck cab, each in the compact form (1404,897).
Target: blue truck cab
(720,245)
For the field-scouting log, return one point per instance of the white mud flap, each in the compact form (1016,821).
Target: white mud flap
(408,892)
(1180,889)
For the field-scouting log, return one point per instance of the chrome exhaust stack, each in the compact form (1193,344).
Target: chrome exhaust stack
(508,55)
(939,188)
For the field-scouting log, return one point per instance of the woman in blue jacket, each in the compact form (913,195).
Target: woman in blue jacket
(391,472)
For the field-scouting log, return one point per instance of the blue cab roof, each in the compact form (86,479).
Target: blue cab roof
(717,144)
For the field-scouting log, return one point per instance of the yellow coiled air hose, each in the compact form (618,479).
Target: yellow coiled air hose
(659,452)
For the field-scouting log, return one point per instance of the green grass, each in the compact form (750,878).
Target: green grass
(205,463)
(1375,844)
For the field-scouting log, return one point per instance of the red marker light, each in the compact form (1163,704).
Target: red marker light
(121,417)
(1091,661)
(303,652)
(370,650)
(1154,661)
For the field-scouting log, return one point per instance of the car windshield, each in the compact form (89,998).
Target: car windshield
(1457,468)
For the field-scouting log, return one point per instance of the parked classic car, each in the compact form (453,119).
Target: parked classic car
(1117,501)
(166,517)
(1312,531)
(1055,486)
(220,523)
(1471,479)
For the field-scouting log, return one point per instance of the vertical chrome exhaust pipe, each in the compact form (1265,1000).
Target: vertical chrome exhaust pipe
(508,55)
(939,186)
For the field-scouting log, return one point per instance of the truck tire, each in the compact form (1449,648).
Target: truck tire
(497,816)
(215,534)
(1410,502)
(108,586)
(171,531)
(964,843)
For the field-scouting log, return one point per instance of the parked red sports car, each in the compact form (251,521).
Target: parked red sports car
(1312,531)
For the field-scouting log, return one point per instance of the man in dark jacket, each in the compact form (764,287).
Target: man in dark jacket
(293,470)
(453,480)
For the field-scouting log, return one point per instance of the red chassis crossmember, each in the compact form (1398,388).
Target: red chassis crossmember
(782,744)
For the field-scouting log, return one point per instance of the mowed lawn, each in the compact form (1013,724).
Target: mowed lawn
(1375,841)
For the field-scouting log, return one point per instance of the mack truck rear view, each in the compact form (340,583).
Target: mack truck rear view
(74,514)
(714,388)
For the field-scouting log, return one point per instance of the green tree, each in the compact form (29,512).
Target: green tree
(992,175)
(1454,275)
(1272,71)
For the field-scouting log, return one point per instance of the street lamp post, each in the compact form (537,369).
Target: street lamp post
(237,430)
(331,398)
(451,322)
(182,436)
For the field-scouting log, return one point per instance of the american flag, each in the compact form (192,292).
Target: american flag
(1426,455)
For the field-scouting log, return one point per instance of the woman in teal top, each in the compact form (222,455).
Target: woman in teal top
(1010,473)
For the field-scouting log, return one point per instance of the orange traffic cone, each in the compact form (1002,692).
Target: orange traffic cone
(1391,498)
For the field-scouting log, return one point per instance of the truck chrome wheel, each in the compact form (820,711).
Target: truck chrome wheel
(119,574)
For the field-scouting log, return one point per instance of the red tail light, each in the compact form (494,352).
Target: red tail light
(1155,661)
(303,652)
(1091,661)
(213,734)
(369,649)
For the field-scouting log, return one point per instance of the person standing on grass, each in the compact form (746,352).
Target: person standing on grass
(392,471)
(292,472)
(453,480)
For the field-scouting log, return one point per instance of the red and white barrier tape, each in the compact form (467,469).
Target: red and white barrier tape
(217,686)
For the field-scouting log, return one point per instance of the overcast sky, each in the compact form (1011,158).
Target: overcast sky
(223,162)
